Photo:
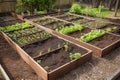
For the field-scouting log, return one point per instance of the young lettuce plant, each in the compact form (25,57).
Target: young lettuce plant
(74,56)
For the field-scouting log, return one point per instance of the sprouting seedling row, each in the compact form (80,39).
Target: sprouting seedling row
(23,32)
(91,35)
(33,37)
(16,26)
(70,29)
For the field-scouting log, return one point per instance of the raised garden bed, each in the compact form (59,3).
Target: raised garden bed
(3,75)
(60,61)
(68,62)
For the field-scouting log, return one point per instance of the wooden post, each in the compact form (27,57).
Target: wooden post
(117,6)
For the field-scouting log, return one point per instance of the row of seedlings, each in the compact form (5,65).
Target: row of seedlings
(98,40)
(51,57)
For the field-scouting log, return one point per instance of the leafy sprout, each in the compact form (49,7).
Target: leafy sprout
(49,49)
(66,47)
(38,61)
(73,56)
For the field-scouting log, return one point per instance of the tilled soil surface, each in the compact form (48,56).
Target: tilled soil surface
(95,69)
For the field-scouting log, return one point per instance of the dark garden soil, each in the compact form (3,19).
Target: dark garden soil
(59,57)
(42,47)
(104,41)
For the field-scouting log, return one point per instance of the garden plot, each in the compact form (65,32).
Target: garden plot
(40,45)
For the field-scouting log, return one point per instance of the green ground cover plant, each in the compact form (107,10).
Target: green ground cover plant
(96,12)
(70,29)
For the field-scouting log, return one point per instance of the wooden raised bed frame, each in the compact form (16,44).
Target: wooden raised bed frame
(39,70)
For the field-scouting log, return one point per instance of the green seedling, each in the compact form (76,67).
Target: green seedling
(59,45)
(74,56)
(47,68)
(38,61)
(41,52)
(108,29)
(49,49)
(114,28)
(66,47)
